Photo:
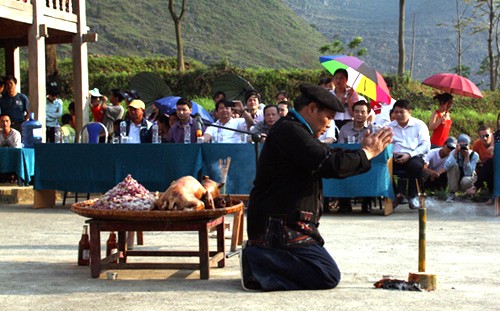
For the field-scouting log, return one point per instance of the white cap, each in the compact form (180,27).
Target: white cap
(95,92)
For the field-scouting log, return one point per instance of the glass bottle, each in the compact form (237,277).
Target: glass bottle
(111,245)
(84,248)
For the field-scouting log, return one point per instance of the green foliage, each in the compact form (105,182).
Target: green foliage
(464,70)
(338,47)
(196,83)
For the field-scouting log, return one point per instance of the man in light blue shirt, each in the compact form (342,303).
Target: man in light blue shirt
(53,109)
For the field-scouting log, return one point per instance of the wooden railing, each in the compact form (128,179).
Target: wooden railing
(55,5)
(60,5)
(58,14)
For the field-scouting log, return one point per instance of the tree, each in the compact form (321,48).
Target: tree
(401,39)
(178,34)
(337,47)
(489,12)
(412,56)
(51,68)
(461,22)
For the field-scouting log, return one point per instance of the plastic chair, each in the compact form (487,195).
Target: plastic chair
(93,133)
(94,130)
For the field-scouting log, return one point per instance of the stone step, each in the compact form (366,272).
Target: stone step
(13,194)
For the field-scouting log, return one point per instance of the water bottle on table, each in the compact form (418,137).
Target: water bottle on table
(123,132)
(187,134)
(154,130)
(57,133)
(31,132)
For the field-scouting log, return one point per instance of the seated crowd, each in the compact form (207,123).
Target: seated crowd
(434,162)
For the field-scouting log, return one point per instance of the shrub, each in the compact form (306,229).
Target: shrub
(107,72)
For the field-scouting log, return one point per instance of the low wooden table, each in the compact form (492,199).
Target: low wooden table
(207,258)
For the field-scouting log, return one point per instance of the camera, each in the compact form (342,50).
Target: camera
(463,147)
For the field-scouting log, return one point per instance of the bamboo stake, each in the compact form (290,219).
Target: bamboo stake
(224,168)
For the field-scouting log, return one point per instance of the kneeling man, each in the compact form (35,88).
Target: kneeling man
(285,249)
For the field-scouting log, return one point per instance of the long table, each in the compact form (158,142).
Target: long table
(20,161)
(377,182)
(97,168)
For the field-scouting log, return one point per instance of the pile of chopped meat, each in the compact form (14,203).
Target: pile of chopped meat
(128,195)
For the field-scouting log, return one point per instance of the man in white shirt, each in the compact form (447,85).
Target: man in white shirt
(384,117)
(253,102)
(434,172)
(329,136)
(225,119)
(411,143)
(9,137)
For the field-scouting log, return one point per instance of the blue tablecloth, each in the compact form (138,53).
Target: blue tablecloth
(376,182)
(241,171)
(18,161)
(496,165)
(99,167)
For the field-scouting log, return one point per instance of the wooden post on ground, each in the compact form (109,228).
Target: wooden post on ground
(427,281)
(44,198)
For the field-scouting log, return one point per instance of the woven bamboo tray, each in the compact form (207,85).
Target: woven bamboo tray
(85,208)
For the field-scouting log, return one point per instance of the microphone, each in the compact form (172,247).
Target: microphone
(198,125)
(256,137)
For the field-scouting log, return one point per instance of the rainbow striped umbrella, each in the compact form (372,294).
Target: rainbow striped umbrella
(362,78)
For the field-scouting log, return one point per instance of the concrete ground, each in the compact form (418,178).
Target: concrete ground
(38,253)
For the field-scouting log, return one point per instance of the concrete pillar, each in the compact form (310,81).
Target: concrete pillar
(80,67)
(36,65)
(12,64)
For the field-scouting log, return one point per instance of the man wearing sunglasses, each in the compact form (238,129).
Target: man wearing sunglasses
(435,177)
(484,147)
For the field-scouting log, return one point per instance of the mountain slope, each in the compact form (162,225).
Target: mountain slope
(376,21)
(285,33)
(248,33)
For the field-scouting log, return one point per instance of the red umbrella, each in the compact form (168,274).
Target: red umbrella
(453,84)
